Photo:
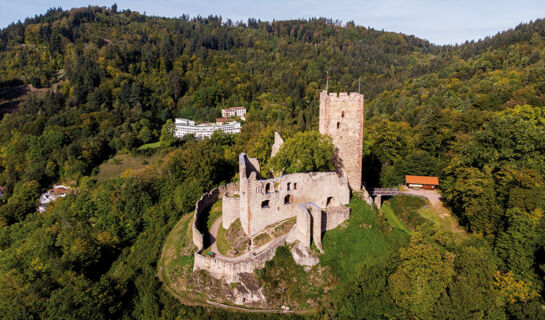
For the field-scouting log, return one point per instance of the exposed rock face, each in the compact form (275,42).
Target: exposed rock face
(278,142)
(237,239)
(247,291)
(244,292)
(303,256)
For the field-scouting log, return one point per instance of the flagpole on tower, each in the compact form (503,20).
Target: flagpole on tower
(327,81)
(359,84)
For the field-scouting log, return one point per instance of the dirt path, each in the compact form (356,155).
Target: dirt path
(437,208)
(434,199)
(221,305)
(214,236)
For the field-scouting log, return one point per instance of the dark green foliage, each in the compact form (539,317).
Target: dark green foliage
(366,295)
(306,152)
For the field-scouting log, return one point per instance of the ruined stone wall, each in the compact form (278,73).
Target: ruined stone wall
(228,269)
(265,202)
(302,227)
(316,227)
(230,208)
(334,217)
(202,204)
(278,142)
(341,117)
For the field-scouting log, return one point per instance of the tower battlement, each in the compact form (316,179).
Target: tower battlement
(341,117)
(354,95)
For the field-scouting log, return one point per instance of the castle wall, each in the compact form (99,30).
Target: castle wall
(278,142)
(303,226)
(316,226)
(229,268)
(341,117)
(202,204)
(334,217)
(316,187)
(230,208)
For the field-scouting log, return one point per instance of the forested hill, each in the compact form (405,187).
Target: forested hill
(79,87)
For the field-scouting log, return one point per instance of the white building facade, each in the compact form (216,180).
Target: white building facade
(233,112)
(184,127)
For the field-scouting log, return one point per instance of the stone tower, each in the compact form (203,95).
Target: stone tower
(341,117)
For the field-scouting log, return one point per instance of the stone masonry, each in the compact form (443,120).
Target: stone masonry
(341,117)
(264,202)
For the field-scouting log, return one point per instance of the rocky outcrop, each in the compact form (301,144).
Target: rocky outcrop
(303,256)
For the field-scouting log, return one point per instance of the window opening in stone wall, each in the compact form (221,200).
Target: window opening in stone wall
(342,114)
(288,199)
(268,188)
(295,186)
(265,204)
(338,125)
(289,186)
(329,201)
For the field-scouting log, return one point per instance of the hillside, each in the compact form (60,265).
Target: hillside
(82,90)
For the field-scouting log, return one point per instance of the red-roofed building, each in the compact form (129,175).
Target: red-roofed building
(421,182)
(221,120)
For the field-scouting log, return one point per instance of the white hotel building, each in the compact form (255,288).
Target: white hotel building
(184,127)
(234,112)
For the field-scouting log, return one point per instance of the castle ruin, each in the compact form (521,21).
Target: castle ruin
(263,202)
(317,200)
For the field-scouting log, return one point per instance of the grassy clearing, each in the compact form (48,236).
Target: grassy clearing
(153,145)
(261,239)
(446,223)
(284,227)
(176,262)
(117,165)
(365,241)
(392,219)
(412,211)
(406,208)
(221,242)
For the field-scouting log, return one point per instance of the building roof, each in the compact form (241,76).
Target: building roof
(221,119)
(58,190)
(422,180)
(234,108)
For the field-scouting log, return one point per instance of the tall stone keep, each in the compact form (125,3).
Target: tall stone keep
(341,117)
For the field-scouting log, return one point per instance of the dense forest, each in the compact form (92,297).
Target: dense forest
(79,87)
